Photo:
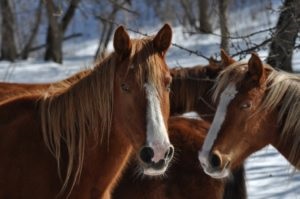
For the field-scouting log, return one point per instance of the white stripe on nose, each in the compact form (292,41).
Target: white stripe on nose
(226,96)
(157,136)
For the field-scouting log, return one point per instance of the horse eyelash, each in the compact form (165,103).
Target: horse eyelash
(245,105)
(125,87)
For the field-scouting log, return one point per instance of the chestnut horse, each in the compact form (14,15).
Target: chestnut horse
(185,178)
(258,105)
(196,82)
(75,142)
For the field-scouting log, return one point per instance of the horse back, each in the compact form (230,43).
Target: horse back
(8,90)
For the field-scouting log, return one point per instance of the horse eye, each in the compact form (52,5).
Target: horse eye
(246,105)
(125,87)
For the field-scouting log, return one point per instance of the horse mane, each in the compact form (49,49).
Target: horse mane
(187,81)
(282,93)
(70,80)
(71,113)
(66,116)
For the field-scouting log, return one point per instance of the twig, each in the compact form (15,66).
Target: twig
(241,36)
(64,39)
(195,52)
(124,8)
(253,48)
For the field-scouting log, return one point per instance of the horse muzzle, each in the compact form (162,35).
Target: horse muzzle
(214,164)
(155,164)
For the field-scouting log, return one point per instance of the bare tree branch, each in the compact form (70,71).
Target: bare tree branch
(253,48)
(121,6)
(39,47)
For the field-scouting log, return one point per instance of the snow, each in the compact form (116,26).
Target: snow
(269,175)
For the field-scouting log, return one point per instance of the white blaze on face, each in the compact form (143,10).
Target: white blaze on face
(227,95)
(157,136)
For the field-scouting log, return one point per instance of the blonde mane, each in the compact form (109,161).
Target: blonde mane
(70,115)
(282,93)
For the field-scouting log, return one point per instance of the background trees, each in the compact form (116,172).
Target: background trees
(284,38)
(8,47)
(57,28)
(43,26)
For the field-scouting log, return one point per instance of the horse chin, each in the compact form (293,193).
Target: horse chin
(218,174)
(154,172)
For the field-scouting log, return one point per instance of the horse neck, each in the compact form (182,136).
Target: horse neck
(288,145)
(187,135)
(104,164)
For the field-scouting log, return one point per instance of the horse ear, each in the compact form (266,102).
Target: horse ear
(256,68)
(226,59)
(163,38)
(213,62)
(122,43)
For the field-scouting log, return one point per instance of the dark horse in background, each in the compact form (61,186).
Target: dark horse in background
(74,141)
(190,91)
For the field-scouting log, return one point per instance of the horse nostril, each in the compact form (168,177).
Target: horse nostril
(169,154)
(215,161)
(146,154)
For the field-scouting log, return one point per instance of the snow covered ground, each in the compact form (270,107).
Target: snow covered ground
(269,175)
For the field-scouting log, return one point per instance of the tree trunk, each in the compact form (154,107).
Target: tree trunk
(283,41)
(54,35)
(107,29)
(223,5)
(57,29)
(8,47)
(69,15)
(188,13)
(204,24)
(38,17)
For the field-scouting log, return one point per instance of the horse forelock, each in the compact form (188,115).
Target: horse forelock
(147,62)
(232,74)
